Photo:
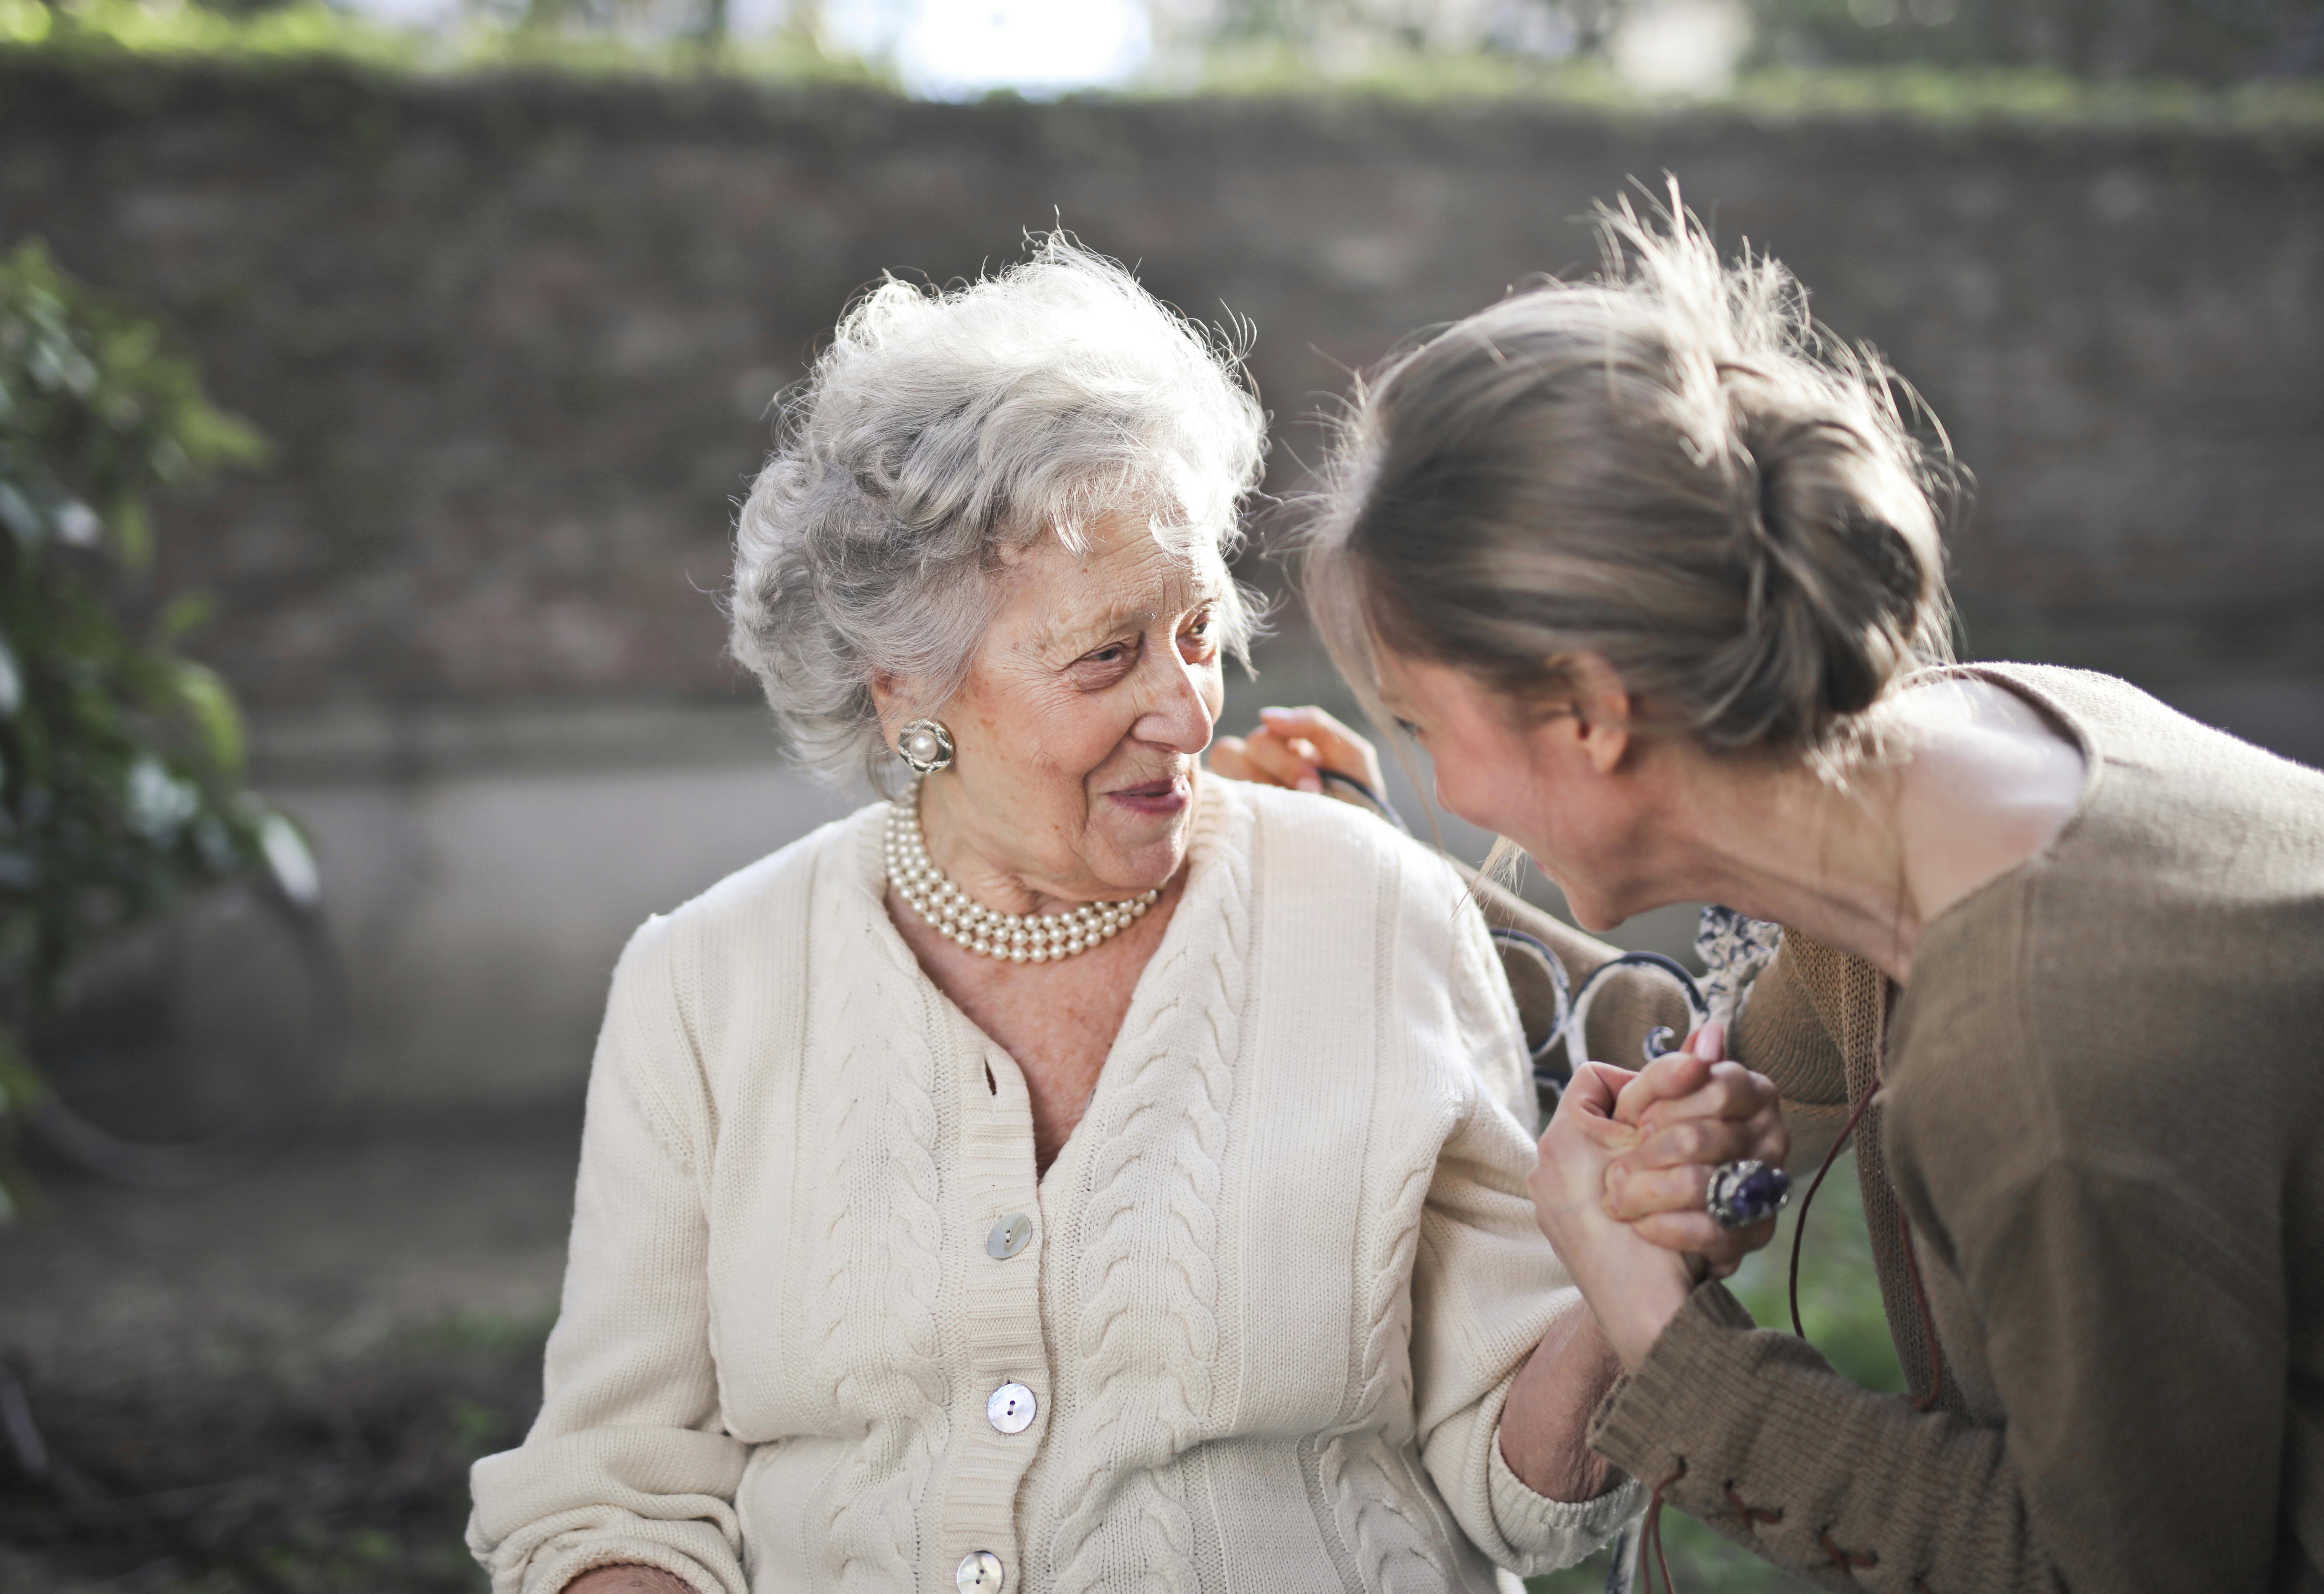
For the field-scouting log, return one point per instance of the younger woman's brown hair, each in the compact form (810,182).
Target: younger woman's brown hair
(1668,466)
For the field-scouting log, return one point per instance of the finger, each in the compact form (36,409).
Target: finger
(1695,1234)
(1723,1090)
(1705,1142)
(1229,759)
(1633,1194)
(1272,753)
(1709,1042)
(1671,1076)
(1340,748)
(1304,752)
(1594,1089)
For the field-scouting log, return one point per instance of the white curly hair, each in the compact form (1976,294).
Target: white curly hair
(943,428)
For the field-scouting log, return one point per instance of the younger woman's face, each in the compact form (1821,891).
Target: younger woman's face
(1552,779)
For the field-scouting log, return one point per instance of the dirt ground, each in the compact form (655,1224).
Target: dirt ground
(276,1384)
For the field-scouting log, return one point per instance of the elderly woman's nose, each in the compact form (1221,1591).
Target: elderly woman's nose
(1179,714)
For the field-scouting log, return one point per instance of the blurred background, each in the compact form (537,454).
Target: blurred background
(503,291)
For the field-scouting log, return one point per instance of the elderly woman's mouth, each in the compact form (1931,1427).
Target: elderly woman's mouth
(1159,798)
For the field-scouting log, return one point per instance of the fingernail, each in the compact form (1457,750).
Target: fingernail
(1311,783)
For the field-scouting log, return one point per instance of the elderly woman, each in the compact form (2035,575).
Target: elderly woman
(1074,1174)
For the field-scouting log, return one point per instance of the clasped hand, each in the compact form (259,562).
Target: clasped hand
(1624,1169)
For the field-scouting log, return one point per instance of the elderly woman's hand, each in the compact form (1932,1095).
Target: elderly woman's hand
(1692,1110)
(1633,1285)
(626,1578)
(1292,747)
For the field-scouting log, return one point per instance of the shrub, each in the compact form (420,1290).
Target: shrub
(120,760)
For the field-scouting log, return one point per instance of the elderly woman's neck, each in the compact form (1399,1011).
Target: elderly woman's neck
(1001,867)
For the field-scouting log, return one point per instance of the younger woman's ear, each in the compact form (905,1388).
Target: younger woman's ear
(1602,712)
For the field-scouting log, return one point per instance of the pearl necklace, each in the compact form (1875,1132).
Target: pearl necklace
(1018,938)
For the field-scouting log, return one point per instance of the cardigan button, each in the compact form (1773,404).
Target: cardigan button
(1011,1408)
(981,1572)
(1009,1235)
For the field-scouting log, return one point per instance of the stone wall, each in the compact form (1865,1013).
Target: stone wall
(515,340)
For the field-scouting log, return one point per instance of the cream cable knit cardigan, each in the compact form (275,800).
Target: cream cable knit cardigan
(1278,1284)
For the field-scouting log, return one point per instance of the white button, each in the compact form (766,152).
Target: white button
(981,1572)
(1009,1236)
(1011,1408)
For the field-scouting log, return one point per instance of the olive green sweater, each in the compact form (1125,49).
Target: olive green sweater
(2098,1113)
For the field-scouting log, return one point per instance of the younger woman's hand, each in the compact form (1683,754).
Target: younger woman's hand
(1693,1110)
(1292,747)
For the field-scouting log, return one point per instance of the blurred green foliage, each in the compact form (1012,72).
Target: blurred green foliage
(2215,42)
(120,759)
(1839,1307)
(580,36)
(2252,66)
(2205,41)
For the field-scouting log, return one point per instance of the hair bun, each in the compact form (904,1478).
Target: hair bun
(1669,467)
(1841,570)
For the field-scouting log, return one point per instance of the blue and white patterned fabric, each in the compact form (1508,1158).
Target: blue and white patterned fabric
(1733,950)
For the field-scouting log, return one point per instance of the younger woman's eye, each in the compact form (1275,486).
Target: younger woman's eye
(1409,729)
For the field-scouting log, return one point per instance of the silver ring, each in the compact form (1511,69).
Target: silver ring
(1747,1193)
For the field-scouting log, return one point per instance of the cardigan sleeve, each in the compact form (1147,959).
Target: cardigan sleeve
(1485,1288)
(627,1461)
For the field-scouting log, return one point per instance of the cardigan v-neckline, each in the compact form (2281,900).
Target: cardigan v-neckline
(1201,897)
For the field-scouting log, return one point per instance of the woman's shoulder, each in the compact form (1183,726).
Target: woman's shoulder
(1339,847)
(773,894)
(1329,873)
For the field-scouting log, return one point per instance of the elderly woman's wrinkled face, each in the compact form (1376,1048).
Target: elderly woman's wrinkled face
(1081,727)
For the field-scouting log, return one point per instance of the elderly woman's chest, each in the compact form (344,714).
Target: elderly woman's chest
(1234,1212)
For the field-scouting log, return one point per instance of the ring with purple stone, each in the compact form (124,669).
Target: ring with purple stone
(1743,1194)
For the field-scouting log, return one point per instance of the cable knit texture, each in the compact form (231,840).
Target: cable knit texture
(1277,1284)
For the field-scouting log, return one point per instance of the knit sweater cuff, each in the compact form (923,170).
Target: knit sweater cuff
(1685,1386)
(1563,1531)
(551,1571)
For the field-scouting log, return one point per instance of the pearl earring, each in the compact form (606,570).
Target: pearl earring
(925,745)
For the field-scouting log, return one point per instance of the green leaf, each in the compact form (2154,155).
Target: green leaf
(16,511)
(183,615)
(22,1088)
(12,681)
(133,533)
(209,703)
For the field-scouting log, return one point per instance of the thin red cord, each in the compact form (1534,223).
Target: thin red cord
(1928,1319)
(1928,1401)
(1650,1537)
(1800,1228)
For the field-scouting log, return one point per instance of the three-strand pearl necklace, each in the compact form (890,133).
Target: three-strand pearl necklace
(1018,938)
